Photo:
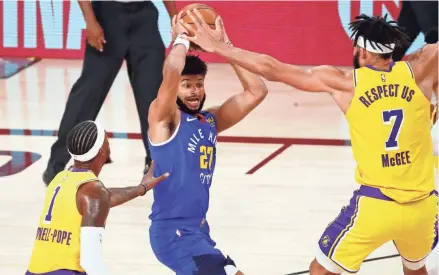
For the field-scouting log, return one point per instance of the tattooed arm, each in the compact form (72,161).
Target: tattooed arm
(120,196)
(94,201)
(425,68)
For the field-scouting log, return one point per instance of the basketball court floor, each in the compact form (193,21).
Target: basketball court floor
(282,174)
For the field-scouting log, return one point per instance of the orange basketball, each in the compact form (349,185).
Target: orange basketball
(208,13)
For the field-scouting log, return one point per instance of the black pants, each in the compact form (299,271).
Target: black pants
(131,32)
(416,17)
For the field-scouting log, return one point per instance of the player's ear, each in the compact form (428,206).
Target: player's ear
(363,53)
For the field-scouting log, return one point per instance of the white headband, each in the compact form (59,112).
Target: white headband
(374,47)
(93,152)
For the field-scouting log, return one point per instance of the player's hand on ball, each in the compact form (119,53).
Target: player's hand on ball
(219,25)
(148,180)
(204,37)
(176,27)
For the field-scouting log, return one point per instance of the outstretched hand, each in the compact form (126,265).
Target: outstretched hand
(176,27)
(148,180)
(204,36)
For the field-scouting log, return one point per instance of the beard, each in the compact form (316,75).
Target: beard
(188,110)
(356,60)
(109,160)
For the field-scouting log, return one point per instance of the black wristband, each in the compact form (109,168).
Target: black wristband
(146,188)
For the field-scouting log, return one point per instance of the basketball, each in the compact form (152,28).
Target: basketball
(208,13)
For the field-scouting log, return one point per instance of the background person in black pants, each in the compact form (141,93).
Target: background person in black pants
(417,17)
(116,31)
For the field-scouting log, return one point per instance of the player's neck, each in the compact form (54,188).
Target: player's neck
(85,166)
(381,65)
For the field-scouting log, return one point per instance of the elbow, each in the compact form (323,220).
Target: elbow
(171,70)
(170,67)
(260,91)
(267,67)
(173,65)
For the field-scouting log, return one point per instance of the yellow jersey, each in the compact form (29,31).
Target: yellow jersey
(389,124)
(433,120)
(57,242)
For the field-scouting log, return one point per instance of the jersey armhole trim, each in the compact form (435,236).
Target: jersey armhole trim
(354,76)
(168,140)
(85,181)
(410,69)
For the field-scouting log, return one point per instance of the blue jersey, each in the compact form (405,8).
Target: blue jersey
(189,156)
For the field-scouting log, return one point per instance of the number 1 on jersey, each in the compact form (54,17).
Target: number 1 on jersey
(48,217)
(396,115)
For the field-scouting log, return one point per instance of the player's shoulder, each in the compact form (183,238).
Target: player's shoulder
(338,79)
(209,116)
(208,112)
(93,189)
(93,199)
(155,113)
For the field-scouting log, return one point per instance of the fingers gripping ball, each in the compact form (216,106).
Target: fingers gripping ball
(208,13)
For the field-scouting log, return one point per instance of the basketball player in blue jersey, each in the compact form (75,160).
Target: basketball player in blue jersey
(183,140)
(389,121)
(71,226)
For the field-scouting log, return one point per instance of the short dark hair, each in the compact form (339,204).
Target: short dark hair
(194,65)
(82,137)
(378,29)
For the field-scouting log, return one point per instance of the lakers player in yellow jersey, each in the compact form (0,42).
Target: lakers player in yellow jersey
(389,120)
(69,236)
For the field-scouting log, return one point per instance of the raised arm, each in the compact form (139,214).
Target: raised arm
(318,79)
(234,109)
(93,203)
(425,67)
(240,105)
(163,108)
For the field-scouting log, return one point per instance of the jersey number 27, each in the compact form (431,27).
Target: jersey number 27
(206,155)
(397,117)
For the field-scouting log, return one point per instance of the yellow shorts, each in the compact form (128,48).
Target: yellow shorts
(372,219)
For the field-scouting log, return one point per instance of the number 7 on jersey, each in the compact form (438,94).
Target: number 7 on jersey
(397,117)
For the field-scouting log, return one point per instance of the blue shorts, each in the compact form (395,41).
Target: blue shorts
(185,247)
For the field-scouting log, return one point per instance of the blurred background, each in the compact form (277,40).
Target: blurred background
(54,29)
(282,174)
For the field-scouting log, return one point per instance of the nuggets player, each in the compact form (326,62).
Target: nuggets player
(183,141)
(389,120)
(71,227)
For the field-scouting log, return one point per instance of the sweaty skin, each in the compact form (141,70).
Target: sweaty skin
(93,202)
